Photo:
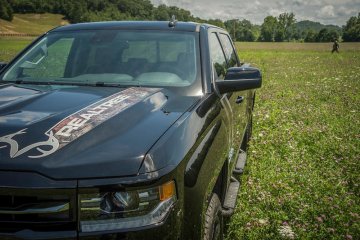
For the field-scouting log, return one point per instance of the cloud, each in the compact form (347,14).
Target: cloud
(324,11)
(327,11)
(275,12)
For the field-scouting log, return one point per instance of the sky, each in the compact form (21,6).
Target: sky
(335,12)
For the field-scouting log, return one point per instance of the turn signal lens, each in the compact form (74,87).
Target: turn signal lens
(167,190)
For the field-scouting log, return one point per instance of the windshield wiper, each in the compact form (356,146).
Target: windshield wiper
(54,82)
(105,84)
(23,81)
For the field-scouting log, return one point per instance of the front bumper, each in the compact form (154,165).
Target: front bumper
(168,229)
(17,188)
(165,230)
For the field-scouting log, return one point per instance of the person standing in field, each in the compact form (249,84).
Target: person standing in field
(335,47)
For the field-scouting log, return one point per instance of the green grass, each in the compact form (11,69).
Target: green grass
(31,23)
(292,46)
(303,172)
(9,47)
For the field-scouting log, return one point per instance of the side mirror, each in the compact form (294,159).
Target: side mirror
(2,65)
(239,79)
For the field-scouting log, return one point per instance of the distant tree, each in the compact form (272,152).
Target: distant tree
(333,35)
(42,6)
(285,27)
(25,6)
(351,31)
(77,12)
(256,31)
(310,36)
(164,13)
(279,36)
(102,10)
(216,22)
(297,35)
(326,36)
(140,9)
(232,26)
(111,14)
(6,11)
(268,29)
(246,31)
(241,30)
(182,14)
(161,13)
(323,36)
(306,25)
(97,5)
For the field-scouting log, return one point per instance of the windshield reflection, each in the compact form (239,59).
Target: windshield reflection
(109,58)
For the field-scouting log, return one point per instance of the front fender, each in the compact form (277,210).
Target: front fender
(197,144)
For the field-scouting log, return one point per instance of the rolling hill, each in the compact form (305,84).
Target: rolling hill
(315,26)
(31,24)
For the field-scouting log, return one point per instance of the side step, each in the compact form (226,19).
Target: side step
(240,164)
(230,198)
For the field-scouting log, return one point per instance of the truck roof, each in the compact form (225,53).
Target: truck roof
(134,25)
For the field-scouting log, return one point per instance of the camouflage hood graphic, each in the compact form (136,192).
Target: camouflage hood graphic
(81,132)
(79,123)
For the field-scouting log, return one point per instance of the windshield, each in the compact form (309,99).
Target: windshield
(143,58)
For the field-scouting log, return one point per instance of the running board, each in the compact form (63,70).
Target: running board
(240,164)
(230,198)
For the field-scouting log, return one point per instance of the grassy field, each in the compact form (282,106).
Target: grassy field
(9,47)
(303,172)
(292,46)
(34,24)
(31,23)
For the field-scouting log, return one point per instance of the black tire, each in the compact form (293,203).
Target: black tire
(214,224)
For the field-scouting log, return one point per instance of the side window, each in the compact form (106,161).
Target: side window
(229,50)
(217,56)
(50,61)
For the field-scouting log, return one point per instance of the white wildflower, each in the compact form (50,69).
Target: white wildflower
(263,221)
(286,232)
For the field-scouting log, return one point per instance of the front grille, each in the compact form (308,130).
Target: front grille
(37,210)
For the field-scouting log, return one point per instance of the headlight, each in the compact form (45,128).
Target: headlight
(105,211)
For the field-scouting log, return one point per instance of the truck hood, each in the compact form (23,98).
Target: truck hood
(75,132)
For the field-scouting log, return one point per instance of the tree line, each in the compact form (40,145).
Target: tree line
(285,28)
(274,29)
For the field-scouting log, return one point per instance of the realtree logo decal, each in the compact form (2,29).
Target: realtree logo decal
(77,124)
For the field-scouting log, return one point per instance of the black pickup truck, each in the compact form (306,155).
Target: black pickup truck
(123,130)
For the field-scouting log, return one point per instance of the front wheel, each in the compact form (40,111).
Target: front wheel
(214,220)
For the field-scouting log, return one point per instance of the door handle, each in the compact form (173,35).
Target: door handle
(239,99)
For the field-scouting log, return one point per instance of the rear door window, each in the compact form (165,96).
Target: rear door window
(229,50)
(217,56)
